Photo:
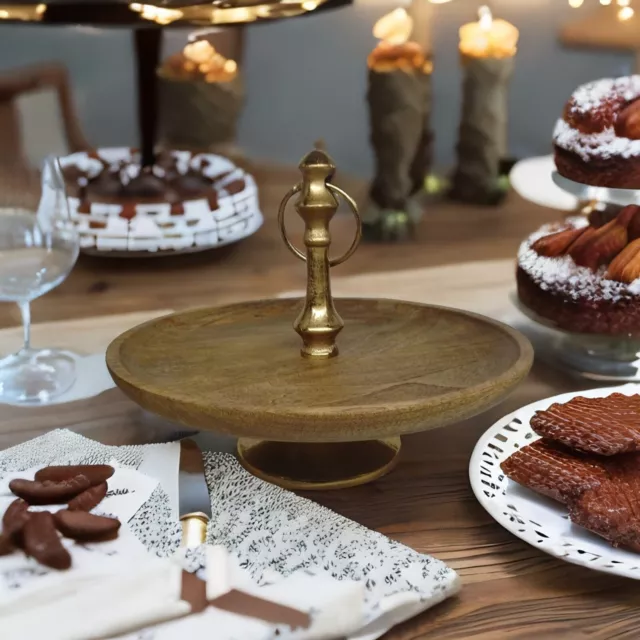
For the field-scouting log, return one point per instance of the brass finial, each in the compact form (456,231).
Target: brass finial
(319,323)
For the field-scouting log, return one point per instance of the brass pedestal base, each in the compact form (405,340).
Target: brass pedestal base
(318,466)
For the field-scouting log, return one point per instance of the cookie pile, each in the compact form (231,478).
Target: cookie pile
(589,460)
(81,488)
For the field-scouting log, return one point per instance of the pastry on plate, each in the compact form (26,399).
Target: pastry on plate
(553,471)
(603,426)
(601,492)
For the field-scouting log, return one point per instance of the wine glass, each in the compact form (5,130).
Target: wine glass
(38,247)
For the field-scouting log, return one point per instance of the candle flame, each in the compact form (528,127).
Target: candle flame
(199,61)
(199,52)
(485,18)
(394,27)
(488,38)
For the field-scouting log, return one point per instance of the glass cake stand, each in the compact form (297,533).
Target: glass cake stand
(329,414)
(605,358)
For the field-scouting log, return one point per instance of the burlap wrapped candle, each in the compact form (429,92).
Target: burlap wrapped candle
(201,98)
(487,50)
(399,98)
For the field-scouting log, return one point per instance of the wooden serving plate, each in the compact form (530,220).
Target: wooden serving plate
(319,423)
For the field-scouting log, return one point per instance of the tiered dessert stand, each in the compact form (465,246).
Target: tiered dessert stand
(147,21)
(330,414)
(111,234)
(605,358)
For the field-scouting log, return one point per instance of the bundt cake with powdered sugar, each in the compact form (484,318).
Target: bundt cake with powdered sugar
(584,276)
(597,140)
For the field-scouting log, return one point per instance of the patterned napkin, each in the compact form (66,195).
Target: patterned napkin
(272,532)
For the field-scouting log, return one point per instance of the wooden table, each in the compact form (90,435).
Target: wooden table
(510,590)
(261,266)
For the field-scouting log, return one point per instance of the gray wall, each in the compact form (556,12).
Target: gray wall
(306,79)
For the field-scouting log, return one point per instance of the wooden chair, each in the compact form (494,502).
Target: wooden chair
(36,113)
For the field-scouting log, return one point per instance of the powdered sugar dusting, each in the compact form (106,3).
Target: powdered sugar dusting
(599,101)
(605,144)
(594,95)
(563,276)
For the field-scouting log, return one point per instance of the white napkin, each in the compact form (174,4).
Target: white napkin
(142,600)
(155,523)
(275,536)
(335,607)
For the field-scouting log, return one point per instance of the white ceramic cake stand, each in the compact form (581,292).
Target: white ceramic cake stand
(532,180)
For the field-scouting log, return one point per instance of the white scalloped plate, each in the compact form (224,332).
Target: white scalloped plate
(541,522)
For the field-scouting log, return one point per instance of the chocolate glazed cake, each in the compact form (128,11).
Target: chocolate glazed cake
(185,201)
(597,141)
(584,277)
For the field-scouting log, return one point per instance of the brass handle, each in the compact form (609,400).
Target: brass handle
(194,529)
(319,323)
(354,209)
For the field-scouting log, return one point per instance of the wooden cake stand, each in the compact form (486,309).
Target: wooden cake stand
(315,418)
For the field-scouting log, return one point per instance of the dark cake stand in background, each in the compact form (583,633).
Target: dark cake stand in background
(147,21)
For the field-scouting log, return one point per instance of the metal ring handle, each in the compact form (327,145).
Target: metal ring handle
(354,209)
(283,229)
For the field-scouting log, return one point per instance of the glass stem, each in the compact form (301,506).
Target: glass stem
(25,312)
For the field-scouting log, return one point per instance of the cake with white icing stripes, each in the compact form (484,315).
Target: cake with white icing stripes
(185,202)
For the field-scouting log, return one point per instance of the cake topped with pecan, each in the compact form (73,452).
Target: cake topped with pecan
(584,276)
(597,140)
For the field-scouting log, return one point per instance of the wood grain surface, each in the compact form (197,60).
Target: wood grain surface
(510,590)
(402,367)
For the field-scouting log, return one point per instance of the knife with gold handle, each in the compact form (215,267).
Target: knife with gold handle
(195,514)
(194,500)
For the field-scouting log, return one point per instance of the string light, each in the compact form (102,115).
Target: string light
(625,11)
(158,15)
